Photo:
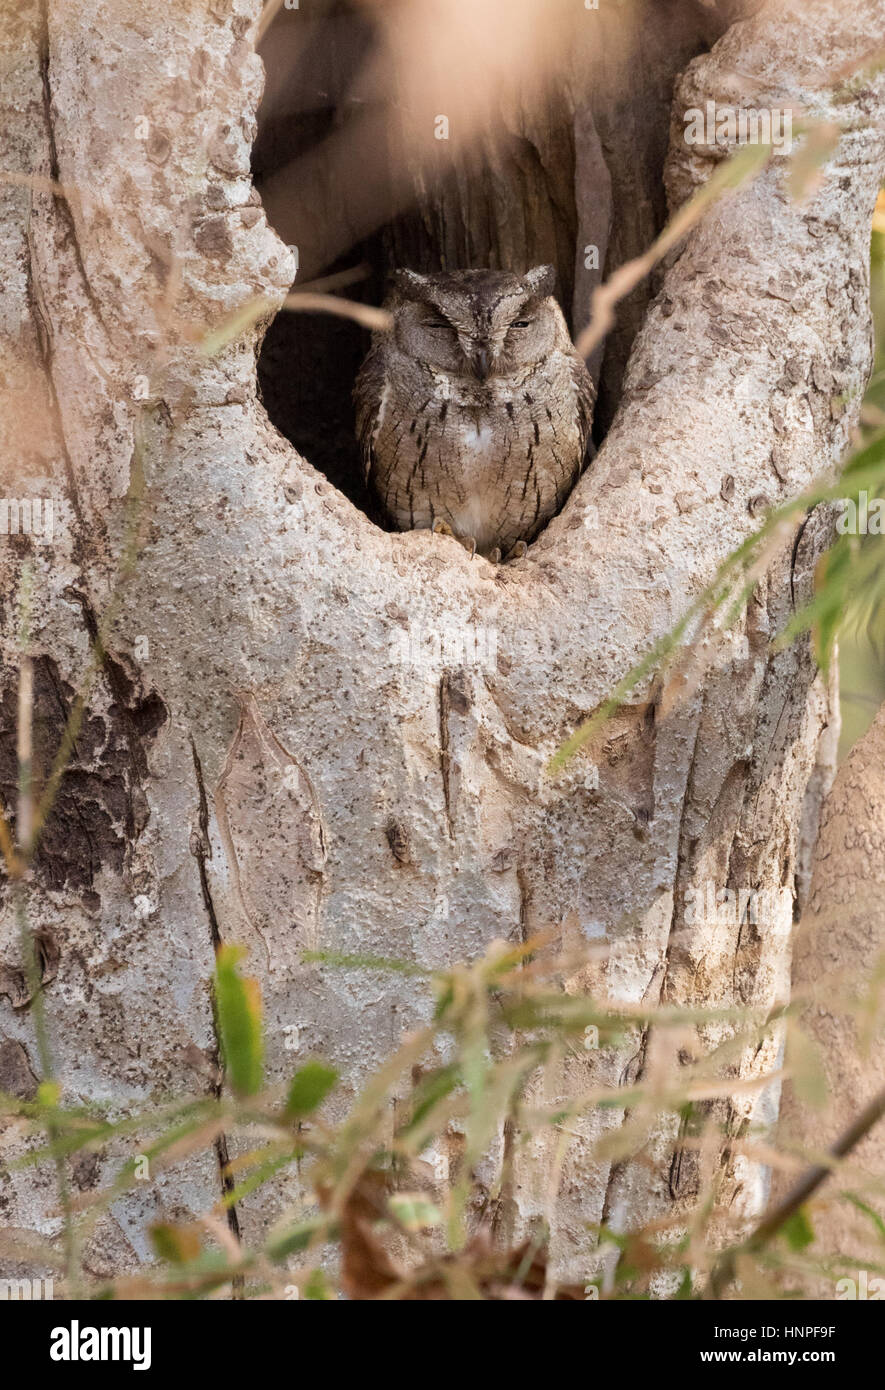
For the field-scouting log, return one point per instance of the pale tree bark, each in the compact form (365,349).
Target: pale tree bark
(280,750)
(838,960)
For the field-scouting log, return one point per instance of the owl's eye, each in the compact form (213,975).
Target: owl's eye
(521,323)
(436,323)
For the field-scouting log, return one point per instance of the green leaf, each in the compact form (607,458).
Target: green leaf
(819,143)
(432,1088)
(177,1244)
(867,1210)
(413,1211)
(686,1286)
(297,1238)
(309,1088)
(806,1067)
(238,1010)
(318,1287)
(48,1094)
(798,1231)
(360,962)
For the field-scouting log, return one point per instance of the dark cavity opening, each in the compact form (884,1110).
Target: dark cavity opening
(340,181)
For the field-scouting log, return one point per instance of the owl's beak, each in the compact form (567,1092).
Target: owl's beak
(481,362)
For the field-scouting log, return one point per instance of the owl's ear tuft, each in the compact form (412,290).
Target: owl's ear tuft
(410,283)
(541,280)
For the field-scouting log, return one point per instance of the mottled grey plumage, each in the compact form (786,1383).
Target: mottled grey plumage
(475,410)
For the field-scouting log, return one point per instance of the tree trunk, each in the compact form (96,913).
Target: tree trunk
(311,733)
(837,959)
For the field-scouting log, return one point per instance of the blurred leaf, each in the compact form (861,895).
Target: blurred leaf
(48,1094)
(806,1067)
(819,142)
(798,1231)
(367,1268)
(309,1087)
(433,1087)
(177,1244)
(685,1286)
(867,1210)
(413,1211)
(460,1284)
(294,1239)
(237,323)
(261,1174)
(317,1287)
(238,1008)
(825,630)
(352,962)
(18,1245)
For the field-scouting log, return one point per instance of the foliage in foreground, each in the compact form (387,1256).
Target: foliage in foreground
(373,1202)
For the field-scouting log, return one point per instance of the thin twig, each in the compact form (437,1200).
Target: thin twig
(729,176)
(39,183)
(365,314)
(336,281)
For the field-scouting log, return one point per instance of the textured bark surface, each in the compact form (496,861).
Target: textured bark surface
(837,958)
(282,751)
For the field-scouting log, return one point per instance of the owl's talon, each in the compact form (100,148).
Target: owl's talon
(495,556)
(442,528)
(516,553)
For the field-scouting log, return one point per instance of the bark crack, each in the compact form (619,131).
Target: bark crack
(619,1167)
(524,894)
(445,705)
(122,690)
(55,168)
(202,850)
(47,359)
(680,856)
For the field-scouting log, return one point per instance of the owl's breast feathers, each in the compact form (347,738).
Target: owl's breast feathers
(494,460)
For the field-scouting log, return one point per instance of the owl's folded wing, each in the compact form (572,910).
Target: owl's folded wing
(368,396)
(585,400)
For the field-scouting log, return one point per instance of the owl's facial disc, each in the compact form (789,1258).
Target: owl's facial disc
(479,327)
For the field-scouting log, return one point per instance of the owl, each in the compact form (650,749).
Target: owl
(474,412)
